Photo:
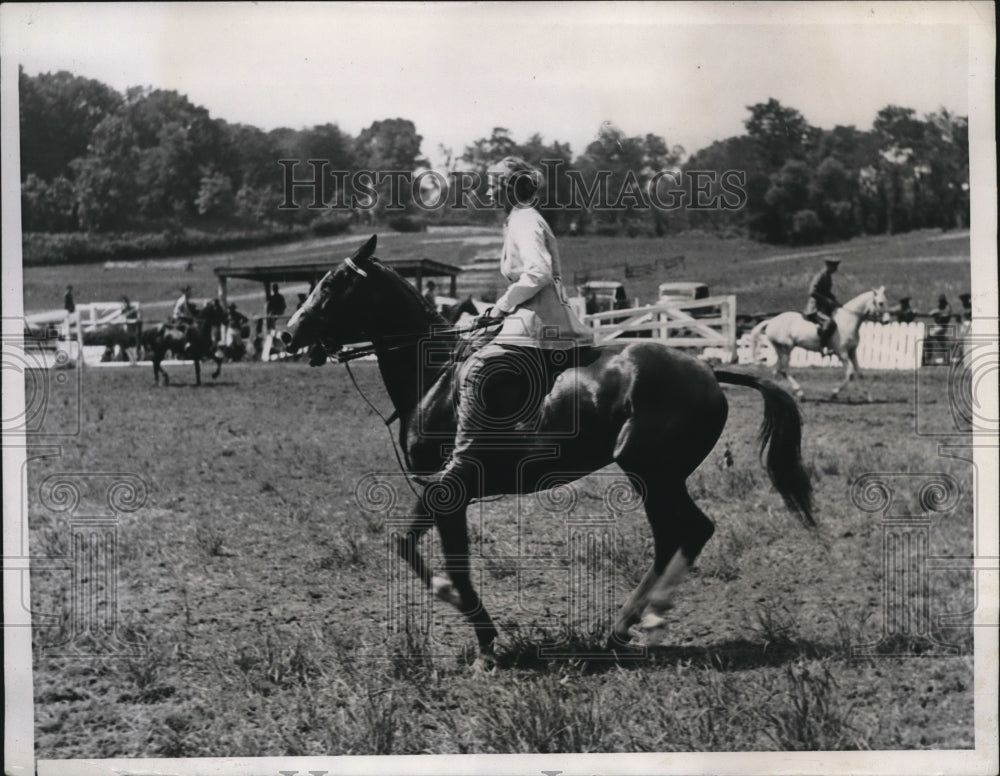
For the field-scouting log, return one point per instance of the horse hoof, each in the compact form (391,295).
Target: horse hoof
(622,648)
(654,627)
(445,591)
(486,663)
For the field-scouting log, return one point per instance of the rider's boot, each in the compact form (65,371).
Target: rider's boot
(462,471)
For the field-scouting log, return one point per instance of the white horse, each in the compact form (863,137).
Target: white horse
(790,330)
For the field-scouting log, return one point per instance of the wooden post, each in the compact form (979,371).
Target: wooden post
(731,334)
(223,290)
(79,339)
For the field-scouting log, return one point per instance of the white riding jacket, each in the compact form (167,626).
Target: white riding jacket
(538,314)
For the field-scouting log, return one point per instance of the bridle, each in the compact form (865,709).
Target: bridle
(869,313)
(346,355)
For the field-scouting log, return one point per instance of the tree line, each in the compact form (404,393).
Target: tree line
(100,161)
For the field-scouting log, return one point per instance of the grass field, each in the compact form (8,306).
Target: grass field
(261,613)
(764,278)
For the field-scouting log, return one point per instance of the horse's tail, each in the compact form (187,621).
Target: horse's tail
(781,436)
(755,335)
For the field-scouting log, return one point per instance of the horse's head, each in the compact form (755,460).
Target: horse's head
(339,309)
(877,307)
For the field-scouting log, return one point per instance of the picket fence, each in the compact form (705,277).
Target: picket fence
(880,346)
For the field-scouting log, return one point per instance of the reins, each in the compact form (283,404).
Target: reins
(345,355)
(352,354)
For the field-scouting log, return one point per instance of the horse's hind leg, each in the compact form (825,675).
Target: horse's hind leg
(218,367)
(159,370)
(680,531)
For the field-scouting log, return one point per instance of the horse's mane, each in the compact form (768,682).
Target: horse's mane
(409,291)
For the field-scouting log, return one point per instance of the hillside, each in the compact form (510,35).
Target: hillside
(920,264)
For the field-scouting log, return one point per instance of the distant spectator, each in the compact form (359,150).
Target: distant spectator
(966,306)
(237,320)
(939,334)
(275,307)
(183,311)
(234,339)
(592,306)
(215,316)
(902,312)
(68,302)
(621,299)
(430,295)
(942,313)
(302,301)
(131,316)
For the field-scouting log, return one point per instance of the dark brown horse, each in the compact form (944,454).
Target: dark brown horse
(655,412)
(192,341)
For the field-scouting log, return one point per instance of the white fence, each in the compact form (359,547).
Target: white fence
(697,323)
(62,332)
(880,346)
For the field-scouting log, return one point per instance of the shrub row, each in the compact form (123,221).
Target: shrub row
(46,248)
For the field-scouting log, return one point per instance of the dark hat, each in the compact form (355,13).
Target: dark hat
(965,297)
(832,262)
(905,298)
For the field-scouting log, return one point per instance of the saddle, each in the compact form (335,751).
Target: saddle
(516,391)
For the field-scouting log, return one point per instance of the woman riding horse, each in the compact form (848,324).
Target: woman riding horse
(535,317)
(655,412)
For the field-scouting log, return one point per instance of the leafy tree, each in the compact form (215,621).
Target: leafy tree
(58,113)
(788,193)
(782,133)
(386,147)
(215,196)
(47,206)
(105,185)
(485,151)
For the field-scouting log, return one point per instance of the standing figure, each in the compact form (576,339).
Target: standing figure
(275,307)
(430,295)
(215,317)
(966,306)
(903,312)
(131,316)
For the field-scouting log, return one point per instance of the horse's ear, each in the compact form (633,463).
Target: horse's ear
(366,251)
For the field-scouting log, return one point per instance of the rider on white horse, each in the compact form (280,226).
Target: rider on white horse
(822,302)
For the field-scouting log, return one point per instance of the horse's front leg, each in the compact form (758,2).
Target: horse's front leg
(406,543)
(218,367)
(853,358)
(781,370)
(451,525)
(197,371)
(850,369)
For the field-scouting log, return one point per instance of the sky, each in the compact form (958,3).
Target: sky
(684,72)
